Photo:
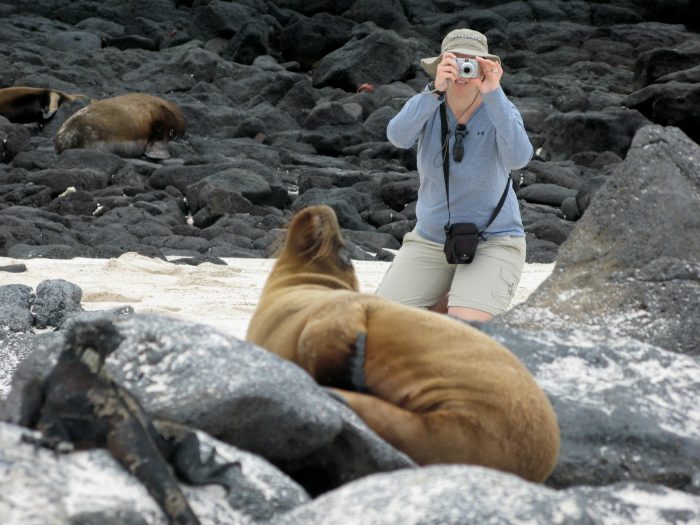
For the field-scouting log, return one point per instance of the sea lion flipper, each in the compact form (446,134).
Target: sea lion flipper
(327,344)
(334,393)
(401,428)
(157,149)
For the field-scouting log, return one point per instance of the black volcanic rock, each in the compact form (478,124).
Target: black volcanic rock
(364,60)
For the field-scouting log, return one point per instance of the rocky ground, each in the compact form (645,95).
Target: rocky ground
(275,121)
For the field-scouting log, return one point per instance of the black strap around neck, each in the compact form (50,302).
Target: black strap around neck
(445,160)
(446,172)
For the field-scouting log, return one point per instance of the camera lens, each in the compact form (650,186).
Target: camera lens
(467,69)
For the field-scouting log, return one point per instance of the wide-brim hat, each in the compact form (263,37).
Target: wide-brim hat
(464,41)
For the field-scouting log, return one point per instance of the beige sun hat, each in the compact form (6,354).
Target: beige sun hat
(465,41)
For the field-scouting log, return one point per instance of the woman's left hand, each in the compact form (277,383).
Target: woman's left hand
(492,72)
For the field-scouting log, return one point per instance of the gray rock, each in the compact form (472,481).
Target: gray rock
(560,173)
(64,490)
(400,193)
(60,179)
(347,203)
(550,228)
(644,221)
(363,60)
(610,129)
(670,104)
(626,409)
(14,349)
(74,41)
(16,295)
(14,139)
(541,193)
(49,251)
(651,65)
(56,299)
(456,495)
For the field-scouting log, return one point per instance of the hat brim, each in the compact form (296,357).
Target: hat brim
(430,64)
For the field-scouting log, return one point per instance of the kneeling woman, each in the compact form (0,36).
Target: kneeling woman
(486,139)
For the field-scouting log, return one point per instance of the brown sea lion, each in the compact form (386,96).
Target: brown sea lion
(23,105)
(128,125)
(433,387)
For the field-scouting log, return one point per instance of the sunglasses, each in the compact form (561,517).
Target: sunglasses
(458,150)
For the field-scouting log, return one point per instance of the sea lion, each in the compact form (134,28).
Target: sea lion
(437,389)
(128,125)
(23,105)
(79,406)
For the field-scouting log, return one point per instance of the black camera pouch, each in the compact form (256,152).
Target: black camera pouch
(462,238)
(461,242)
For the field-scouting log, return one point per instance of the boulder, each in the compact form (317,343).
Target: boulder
(56,299)
(457,494)
(542,193)
(620,418)
(15,304)
(670,104)
(364,60)
(14,139)
(611,129)
(63,486)
(631,262)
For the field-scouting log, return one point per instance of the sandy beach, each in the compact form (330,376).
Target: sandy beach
(223,296)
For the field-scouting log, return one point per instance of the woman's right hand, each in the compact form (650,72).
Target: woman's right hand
(446,71)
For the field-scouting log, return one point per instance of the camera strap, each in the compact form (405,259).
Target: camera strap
(446,172)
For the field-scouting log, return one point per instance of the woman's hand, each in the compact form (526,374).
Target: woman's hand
(491,75)
(446,71)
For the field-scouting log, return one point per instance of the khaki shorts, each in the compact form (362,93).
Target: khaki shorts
(420,274)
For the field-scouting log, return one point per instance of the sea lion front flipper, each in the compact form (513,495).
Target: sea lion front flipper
(157,149)
(329,342)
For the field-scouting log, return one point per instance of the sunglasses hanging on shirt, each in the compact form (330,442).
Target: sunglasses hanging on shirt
(458,149)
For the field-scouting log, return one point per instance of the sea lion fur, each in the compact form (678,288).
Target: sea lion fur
(128,125)
(24,105)
(432,386)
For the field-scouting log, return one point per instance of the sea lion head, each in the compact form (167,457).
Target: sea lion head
(314,244)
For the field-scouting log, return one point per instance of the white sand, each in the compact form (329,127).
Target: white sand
(223,296)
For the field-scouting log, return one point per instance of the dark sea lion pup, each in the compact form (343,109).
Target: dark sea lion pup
(128,125)
(80,406)
(23,105)
(433,387)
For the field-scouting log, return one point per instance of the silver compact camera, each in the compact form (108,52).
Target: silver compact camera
(467,67)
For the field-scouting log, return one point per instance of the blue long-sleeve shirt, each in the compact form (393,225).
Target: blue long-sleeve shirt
(496,144)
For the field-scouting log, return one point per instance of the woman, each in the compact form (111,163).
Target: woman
(487,140)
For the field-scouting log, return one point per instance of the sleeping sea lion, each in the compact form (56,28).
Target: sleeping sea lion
(80,406)
(23,105)
(128,125)
(435,388)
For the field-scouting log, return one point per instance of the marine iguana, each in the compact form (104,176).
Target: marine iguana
(81,405)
